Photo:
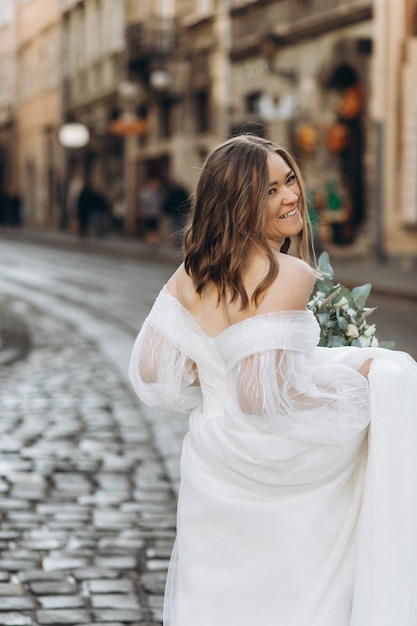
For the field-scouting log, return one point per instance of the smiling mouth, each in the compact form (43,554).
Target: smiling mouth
(288,215)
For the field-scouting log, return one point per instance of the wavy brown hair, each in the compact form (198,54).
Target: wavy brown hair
(228,215)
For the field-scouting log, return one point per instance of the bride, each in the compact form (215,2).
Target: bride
(298,495)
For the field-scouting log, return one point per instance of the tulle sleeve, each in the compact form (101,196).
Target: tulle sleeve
(162,371)
(276,381)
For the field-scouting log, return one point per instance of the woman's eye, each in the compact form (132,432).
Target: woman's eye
(291,179)
(272,191)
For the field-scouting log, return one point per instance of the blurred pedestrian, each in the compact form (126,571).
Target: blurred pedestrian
(177,206)
(150,201)
(75,187)
(91,208)
(118,212)
(98,210)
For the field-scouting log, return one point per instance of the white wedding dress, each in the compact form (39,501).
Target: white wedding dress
(298,496)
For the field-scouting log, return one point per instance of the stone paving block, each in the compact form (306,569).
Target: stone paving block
(112,519)
(102,498)
(117,562)
(61,602)
(154,496)
(16,603)
(20,554)
(62,562)
(94,572)
(156,604)
(23,518)
(111,615)
(154,582)
(4,576)
(11,589)
(8,534)
(42,544)
(109,624)
(62,616)
(7,504)
(154,565)
(123,585)
(15,565)
(36,575)
(14,464)
(120,545)
(53,588)
(15,619)
(109,601)
(159,551)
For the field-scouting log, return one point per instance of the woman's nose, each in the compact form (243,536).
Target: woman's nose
(289,196)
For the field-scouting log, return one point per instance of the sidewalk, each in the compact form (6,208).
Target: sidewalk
(389,278)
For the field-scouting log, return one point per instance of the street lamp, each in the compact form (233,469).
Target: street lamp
(129,126)
(72,136)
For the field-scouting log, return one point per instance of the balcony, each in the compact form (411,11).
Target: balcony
(146,41)
(292,19)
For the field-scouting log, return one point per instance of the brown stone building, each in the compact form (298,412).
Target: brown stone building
(38,110)
(9,210)
(159,83)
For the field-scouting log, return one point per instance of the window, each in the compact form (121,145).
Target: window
(117,26)
(165,118)
(48,53)
(26,73)
(202,113)
(252,102)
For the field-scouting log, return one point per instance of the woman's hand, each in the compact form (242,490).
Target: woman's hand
(364,370)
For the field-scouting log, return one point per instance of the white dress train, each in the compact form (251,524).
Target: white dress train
(298,495)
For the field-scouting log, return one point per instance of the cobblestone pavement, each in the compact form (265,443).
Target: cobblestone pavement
(87,512)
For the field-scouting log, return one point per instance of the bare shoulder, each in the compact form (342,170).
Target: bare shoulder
(181,285)
(291,290)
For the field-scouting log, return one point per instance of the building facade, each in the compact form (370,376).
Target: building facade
(9,204)
(38,110)
(395,118)
(93,53)
(158,83)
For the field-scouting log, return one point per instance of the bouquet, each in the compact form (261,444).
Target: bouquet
(341,312)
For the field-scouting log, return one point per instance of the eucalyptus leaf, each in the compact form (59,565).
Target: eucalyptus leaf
(352,313)
(342,323)
(337,342)
(361,293)
(324,265)
(324,284)
(322,317)
(389,345)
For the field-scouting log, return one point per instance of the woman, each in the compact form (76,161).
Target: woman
(289,513)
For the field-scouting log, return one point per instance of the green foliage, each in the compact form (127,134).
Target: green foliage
(341,312)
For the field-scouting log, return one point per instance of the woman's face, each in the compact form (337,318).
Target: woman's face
(283,217)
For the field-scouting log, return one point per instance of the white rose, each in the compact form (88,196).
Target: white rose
(374,342)
(365,342)
(342,303)
(370,331)
(352,331)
